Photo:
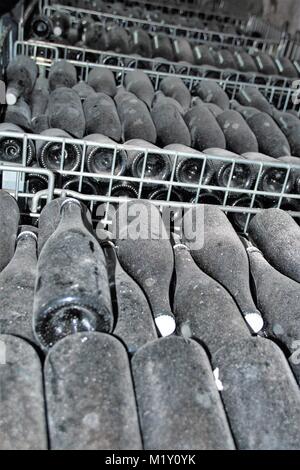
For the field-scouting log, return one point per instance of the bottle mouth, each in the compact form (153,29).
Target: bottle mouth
(274,179)
(66,319)
(11,150)
(87,186)
(124,190)
(162,194)
(241,177)
(165,324)
(189,171)
(51,156)
(100,160)
(41,28)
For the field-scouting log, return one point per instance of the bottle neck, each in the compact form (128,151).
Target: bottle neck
(70,212)
(26,248)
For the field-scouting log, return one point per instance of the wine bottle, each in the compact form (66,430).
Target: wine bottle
(22,397)
(240,219)
(245,62)
(100,159)
(204,129)
(160,99)
(246,111)
(162,194)
(189,169)
(277,235)
(117,39)
(21,74)
(41,27)
(135,326)
(102,80)
(157,166)
(294,172)
(213,108)
(254,371)
(91,365)
(162,46)
(17,282)
(40,124)
(211,92)
(101,116)
(277,297)
(286,67)
(9,215)
(36,182)
(203,309)
(82,185)
(39,97)
(135,117)
(83,90)
(271,140)
(11,148)
(19,114)
(61,23)
(290,126)
(123,189)
(138,83)
(183,50)
(239,137)
(49,221)
(94,36)
(65,112)
(265,64)
(140,43)
(175,88)
(173,416)
(62,74)
(72,289)
(170,125)
(240,177)
(251,96)
(151,244)
(204,55)
(208,197)
(225,59)
(50,154)
(221,255)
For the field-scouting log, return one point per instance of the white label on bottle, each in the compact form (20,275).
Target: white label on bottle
(13,181)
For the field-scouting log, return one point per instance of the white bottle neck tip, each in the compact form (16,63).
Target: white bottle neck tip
(255,322)
(165,324)
(57,31)
(11,98)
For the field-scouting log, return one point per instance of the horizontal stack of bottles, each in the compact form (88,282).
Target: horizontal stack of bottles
(164,325)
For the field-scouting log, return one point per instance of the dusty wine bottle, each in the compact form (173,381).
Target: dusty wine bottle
(140,43)
(22,395)
(157,165)
(277,235)
(286,67)
(160,99)
(290,126)
(101,116)
(252,97)
(223,257)
(150,243)
(204,55)
(94,36)
(117,39)
(138,83)
(213,108)
(62,74)
(246,111)
(183,50)
(176,89)
(100,362)
(65,112)
(225,59)
(50,153)
(203,309)
(11,148)
(101,160)
(72,289)
(135,118)
(204,129)
(271,140)
(265,63)
(239,137)
(102,80)
(10,216)
(17,283)
(19,114)
(171,415)
(240,219)
(170,125)
(162,46)
(253,371)
(83,90)
(211,92)
(21,74)
(245,62)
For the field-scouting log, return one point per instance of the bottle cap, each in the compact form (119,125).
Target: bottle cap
(70,200)
(27,233)
(255,321)
(165,324)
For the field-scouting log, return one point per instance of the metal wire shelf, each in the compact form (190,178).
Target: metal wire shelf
(53,51)
(191,191)
(195,36)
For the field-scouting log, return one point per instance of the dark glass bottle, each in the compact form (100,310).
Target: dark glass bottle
(62,74)
(102,371)
(183,50)
(162,46)
(290,126)
(204,129)
(72,289)
(65,112)
(84,185)
(265,63)
(11,148)
(239,137)
(21,74)
(139,83)
(100,159)
(211,92)
(140,43)
(123,189)
(170,125)
(204,56)
(176,89)
(17,283)
(41,27)
(221,255)
(277,235)
(49,153)
(99,122)
(151,244)
(9,212)
(102,80)
(172,415)
(251,96)
(245,62)
(239,219)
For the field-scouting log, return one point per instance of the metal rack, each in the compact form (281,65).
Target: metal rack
(53,51)
(193,190)
(195,36)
